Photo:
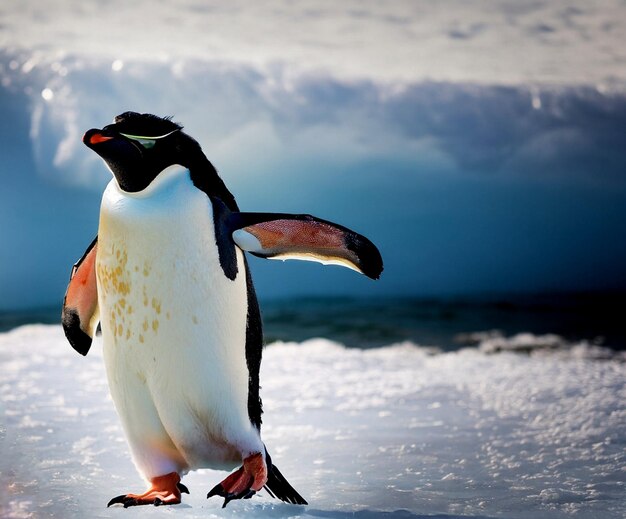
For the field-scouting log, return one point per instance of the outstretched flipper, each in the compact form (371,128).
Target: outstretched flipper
(304,237)
(80,314)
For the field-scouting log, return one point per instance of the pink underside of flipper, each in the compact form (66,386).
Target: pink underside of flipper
(82,292)
(304,237)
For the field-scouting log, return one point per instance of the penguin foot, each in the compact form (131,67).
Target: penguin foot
(164,490)
(244,482)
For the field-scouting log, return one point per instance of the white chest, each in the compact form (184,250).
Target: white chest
(160,284)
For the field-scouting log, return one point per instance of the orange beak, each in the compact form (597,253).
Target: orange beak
(97,138)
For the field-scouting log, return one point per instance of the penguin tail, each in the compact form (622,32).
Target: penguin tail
(278,487)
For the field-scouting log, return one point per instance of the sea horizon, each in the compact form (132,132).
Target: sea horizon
(445,322)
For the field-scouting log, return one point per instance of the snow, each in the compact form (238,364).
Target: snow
(398,431)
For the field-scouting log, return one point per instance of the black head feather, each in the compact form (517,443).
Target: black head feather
(145,125)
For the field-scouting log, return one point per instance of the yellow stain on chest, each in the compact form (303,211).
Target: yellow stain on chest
(117,285)
(113,276)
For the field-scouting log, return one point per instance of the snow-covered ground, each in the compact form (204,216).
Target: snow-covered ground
(398,432)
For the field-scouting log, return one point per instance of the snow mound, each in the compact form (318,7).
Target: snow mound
(389,432)
(494,342)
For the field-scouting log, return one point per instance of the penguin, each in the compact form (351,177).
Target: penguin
(167,281)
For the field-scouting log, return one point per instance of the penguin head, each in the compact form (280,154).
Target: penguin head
(137,147)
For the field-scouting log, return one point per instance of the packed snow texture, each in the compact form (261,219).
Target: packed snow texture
(398,431)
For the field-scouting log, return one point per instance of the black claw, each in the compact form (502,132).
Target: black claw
(116,500)
(131,501)
(217,490)
(120,500)
(245,494)
(183,489)
(249,494)
(123,500)
(157,501)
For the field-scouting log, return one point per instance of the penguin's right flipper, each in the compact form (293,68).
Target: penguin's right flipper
(304,237)
(80,313)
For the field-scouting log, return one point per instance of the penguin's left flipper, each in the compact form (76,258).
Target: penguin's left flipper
(80,313)
(304,237)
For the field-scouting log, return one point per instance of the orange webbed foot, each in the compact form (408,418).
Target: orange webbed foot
(164,490)
(244,482)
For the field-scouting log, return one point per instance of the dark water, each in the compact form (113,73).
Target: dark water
(365,323)
(597,318)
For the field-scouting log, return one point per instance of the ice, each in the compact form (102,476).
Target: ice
(391,432)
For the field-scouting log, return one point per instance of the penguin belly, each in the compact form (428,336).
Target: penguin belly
(174,329)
